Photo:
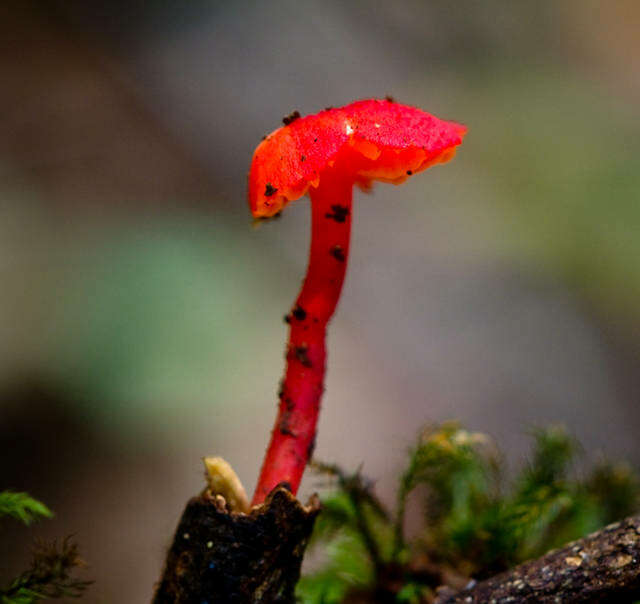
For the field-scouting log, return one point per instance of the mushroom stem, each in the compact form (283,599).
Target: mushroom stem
(293,436)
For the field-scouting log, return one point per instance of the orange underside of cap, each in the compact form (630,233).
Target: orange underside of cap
(372,140)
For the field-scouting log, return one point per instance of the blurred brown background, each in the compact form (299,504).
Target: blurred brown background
(140,315)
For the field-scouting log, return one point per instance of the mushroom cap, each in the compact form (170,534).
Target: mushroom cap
(371,139)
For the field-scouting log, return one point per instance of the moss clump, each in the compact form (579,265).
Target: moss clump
(477,522)
(51,572)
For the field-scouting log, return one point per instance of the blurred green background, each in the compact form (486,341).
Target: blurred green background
(140,315)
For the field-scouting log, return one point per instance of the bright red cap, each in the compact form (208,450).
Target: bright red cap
(372,140)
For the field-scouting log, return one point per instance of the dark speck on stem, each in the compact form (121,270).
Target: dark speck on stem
(284,426)
(338,253)
(339,214)
(312,447)
(299,313)
(301,354)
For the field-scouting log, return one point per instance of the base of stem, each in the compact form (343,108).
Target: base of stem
(223,556)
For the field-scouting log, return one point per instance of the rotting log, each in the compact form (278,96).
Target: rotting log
(225,556)
(603,567)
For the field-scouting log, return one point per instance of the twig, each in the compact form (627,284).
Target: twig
(361,495)
(603,567)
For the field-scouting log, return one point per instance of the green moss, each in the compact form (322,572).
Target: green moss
(51,572)
(477,522)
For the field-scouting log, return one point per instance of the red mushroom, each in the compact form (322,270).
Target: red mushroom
(325,155)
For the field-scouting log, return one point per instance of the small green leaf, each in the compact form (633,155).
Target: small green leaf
(23,507)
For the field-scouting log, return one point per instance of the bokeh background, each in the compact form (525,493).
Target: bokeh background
(141,315)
